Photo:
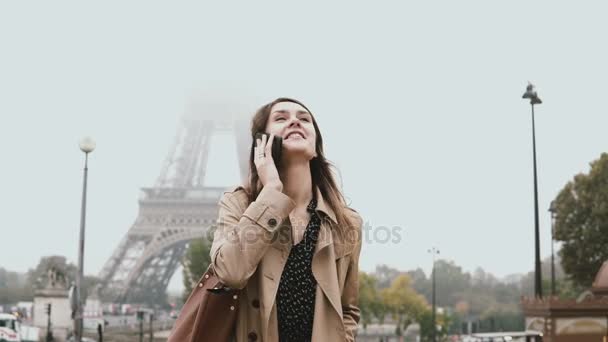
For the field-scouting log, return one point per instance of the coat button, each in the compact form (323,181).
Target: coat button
(206,276)
(255,303)
(272,222)
(200,284)
(252,336)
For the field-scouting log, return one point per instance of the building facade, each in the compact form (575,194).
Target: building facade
(584,319)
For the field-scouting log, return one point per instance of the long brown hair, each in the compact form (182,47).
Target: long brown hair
(320,167)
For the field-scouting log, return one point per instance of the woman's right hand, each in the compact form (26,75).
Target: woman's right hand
(264,163)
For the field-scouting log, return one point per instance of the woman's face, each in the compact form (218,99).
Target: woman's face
(294,124)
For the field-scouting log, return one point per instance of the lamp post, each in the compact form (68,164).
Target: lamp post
(538,286)
(87,145)
(434,251)
(553,212)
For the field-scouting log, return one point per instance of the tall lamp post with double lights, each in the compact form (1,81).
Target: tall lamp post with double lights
(538,287)
(434,251)
(87,145)
(553,212)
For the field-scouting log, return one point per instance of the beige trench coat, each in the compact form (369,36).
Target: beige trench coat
(250,249)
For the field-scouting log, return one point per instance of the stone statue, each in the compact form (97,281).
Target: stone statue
(55,278)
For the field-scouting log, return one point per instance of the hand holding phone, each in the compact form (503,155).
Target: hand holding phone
(277,147)
(267,171)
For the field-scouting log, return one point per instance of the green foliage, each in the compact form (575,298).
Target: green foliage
(194,264)
(477,297)
(385,275)
(10,295)
(10,279)
(582,223)
(370,302)
(12,287)
(565,288)
(443,321)
(403,302)
(502,318)
(451,281)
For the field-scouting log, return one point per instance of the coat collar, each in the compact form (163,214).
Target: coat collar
(324,206)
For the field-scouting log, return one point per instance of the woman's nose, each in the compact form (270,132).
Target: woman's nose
(294,122)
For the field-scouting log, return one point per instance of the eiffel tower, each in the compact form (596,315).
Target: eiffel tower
(178,209)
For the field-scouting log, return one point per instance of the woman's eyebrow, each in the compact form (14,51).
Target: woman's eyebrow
(280,111)
(284,111)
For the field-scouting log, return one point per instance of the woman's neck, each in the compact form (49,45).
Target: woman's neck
(297,182)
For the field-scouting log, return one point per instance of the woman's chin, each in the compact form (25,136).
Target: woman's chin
(294,154)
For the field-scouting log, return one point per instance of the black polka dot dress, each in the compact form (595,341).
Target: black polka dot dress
(296,293)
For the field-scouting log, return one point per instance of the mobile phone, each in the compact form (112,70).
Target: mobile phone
(277,146)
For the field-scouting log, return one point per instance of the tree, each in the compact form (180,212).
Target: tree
(449,280)
(426,326)
(12,287)
(385,275)
(404,302)
(421,283)
(582,223)
(10,279)
(368,297)
(502,318)
(370,300)
(195,263)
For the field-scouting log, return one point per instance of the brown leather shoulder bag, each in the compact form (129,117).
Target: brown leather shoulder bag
(209,314)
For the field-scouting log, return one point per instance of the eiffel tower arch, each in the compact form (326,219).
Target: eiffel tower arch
(176,210)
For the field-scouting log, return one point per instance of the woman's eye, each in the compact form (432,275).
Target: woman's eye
(305,119)
(278,119)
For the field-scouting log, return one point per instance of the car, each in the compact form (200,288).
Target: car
(10,328)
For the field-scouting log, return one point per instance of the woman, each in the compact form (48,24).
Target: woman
(287,239)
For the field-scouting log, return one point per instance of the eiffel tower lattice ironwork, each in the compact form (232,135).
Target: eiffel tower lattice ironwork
(178,209)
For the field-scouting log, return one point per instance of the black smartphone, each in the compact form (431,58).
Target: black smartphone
(277,146)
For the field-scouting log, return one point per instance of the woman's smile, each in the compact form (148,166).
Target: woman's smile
(295,136)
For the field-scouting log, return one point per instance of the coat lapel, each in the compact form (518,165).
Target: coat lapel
(324,258)
(324,268)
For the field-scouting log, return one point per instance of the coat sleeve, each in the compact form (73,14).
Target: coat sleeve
(242,237)
(350,295)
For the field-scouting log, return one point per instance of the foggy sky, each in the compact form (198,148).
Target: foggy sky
(419,105)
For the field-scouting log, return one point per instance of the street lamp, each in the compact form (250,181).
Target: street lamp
(87,145)
(538,288)
(434,251)
(553,212)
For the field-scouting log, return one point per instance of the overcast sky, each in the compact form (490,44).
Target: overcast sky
(419,105)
